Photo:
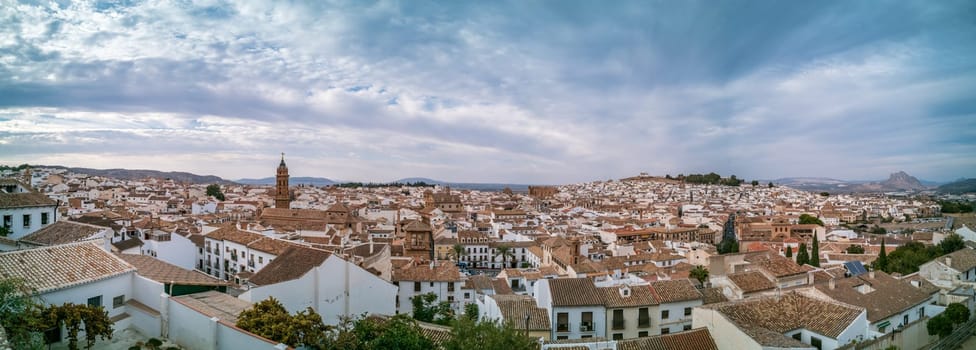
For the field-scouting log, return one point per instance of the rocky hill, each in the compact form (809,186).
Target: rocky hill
(961,186)
(902,181)
(136,174)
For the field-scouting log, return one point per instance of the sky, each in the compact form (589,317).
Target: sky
(493,91)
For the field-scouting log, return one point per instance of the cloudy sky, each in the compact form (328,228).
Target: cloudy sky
(491,91)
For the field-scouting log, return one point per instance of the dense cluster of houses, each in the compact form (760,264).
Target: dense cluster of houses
(614,264)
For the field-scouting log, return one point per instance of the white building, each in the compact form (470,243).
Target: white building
(443,280)
(574,305)
(305,277)
(23,210)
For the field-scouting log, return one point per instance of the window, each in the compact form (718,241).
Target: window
(562,322)
(450,286)
(798,336)
(260,260)
(687,327)
(643,318)
(44,219)
(816,342)
(921,312)
(416,286)
(95,301)
(665,314)
(8,220)
(431,284)
(882,329)
(562,337)
(27,220)
(665,330)
(687,311)
(467,295)
(586,325)
(618,319)
(118,301)
(642,334)
(450,298)
(618,336)
(905,320)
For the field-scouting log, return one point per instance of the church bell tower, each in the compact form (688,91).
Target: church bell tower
(282,195)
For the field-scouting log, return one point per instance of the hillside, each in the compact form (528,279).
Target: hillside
(899,181)
(957,187)
(294,180)
(136,174)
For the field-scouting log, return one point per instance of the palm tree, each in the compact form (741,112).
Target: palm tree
(458,251)
(505,252)
(699,273)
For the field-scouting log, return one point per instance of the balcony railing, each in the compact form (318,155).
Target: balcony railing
(562,327)
(586,327)
(644,322)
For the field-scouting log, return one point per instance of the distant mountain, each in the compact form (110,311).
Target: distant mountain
(294,180)
(899,181)
(959,186)
(902,181)
(469,185)
(137,174)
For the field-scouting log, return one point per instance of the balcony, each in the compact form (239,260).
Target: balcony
(562,327)
(586,327)
(619,323)
(250,264)
(644,322)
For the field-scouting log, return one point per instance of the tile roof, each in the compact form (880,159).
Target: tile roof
(514,308)
(695,339)
(232,234)
(215,304)
(445,272)
(775,265)
(25,199)
(887,295)
(574,292)
(164,272)
(713,295)
(767,319)
(672,291)
(292,263)
(62,232)
(751,281)
(639,296)
(128,244)
(962,260)
(57,267)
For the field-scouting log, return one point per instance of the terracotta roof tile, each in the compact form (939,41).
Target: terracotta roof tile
(767,319)
(425,273)
(163,272)
(293,262)
(751,281)
(672,291)
(62,232)
(62,266)
(695,339)
(574,292)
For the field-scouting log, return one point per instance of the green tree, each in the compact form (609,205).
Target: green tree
(5,231)
(957,313)
(802,256)
(807,219)
(939,325)
(770,185)
(93,320)
(699,273)
(755,183)
(471,311)
(951,243)
(20,314)
(505,252)
(426,308)
(881,263)
(400,332)
(214,191)
(458,251)
(855,249)
(789,252)
(815,252)
(878,230)
(470,334)
(269,319)
(825,194)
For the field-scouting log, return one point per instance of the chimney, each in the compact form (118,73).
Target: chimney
(370,244)
(871,274)
(832,284)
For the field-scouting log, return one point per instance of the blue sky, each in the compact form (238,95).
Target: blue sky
(491,91)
